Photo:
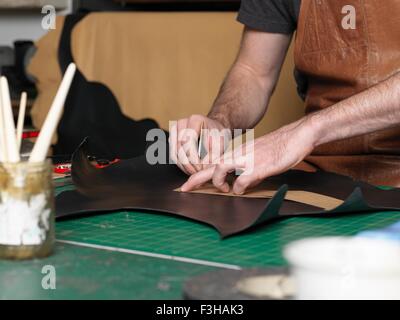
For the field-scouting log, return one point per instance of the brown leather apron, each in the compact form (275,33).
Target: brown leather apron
(340,63)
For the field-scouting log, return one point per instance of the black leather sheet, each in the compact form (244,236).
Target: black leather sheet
(135,184)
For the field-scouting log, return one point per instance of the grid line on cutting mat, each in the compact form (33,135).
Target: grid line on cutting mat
(171,235)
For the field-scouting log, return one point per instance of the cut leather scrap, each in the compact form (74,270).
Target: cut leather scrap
(306,197)
(135,184)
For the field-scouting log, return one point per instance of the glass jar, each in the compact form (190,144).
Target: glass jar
(26,210)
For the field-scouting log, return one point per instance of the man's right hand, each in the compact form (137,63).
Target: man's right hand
(241,102)
(184,137)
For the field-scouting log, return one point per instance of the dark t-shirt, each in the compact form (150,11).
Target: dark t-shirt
(275,16)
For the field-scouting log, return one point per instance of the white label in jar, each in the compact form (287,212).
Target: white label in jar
(24,222)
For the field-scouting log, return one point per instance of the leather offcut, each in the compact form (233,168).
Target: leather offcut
(137,185)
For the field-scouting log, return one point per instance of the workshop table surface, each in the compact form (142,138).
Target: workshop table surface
(148,255)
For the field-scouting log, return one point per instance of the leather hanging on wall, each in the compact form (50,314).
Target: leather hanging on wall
(91,109)
(135,184)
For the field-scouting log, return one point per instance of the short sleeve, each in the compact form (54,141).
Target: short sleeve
(274,16)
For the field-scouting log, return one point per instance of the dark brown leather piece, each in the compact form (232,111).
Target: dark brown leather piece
(135,184)
(375,169)
(340,63)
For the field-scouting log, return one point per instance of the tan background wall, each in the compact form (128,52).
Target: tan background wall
(164,66)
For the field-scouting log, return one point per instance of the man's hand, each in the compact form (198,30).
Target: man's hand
(273,154)
(369,111)
(183,142)
(241,102)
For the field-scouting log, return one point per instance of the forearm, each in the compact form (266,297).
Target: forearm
(243,98)
(375,109)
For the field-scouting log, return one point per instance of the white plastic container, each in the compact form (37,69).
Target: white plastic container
(345,268)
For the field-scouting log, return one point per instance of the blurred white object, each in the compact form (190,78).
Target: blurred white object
(345,268)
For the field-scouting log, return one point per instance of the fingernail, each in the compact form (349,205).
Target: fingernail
(225,187)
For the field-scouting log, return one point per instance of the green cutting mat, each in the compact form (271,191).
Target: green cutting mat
(88,273)
(169,235)
(85,273)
